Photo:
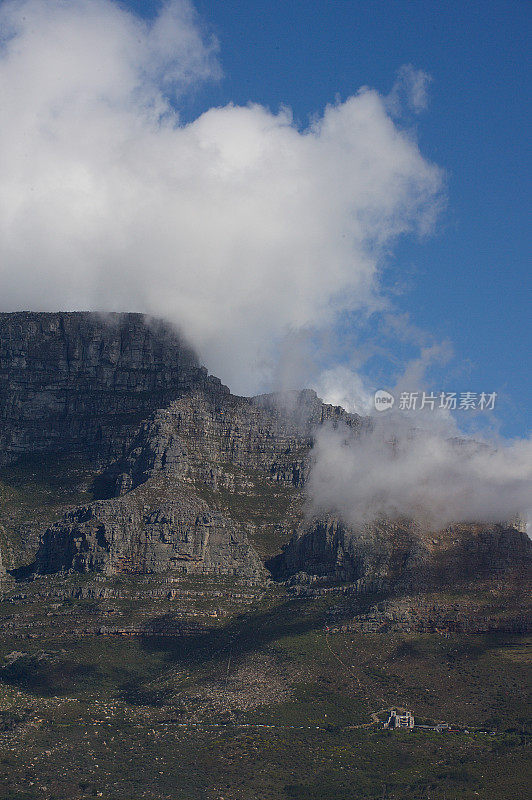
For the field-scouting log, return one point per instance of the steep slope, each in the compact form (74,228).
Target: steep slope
(145,645)
(161,469)
(201,479)
(81,383)
(155,528)
(402,555)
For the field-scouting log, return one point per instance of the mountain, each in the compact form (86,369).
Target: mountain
(81,383)
(189,479)
(176,621)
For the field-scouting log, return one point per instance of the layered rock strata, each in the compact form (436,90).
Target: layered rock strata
(193,479)
(81,383)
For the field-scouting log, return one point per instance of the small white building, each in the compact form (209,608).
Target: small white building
(399,719)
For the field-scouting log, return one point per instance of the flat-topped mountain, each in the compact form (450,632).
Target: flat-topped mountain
(163,574)
(180,476)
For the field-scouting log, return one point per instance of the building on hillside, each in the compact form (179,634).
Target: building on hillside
(399,719)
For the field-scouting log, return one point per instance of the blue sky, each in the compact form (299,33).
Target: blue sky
(469,283)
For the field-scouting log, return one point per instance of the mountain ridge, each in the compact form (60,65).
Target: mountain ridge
(187,478)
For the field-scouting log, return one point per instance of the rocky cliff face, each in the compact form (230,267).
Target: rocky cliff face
(219,440)
(200,479)
(153,529)
(189,478)
(189,471)
(401,555)
(79,382)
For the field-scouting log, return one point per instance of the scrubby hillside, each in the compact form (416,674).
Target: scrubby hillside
(171,609)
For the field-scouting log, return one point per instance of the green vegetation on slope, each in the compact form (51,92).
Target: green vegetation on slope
(34,492)
(263,703)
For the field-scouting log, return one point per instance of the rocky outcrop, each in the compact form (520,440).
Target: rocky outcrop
(475,608)
(204,446)
(220,441)
(80,382)
(401,556)
(373,557)
(153,529)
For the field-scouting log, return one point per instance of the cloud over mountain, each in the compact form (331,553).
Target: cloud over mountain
(239,226)
(396,469)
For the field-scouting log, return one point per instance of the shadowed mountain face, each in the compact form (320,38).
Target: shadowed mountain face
(179,476)
(401,555)
(79,382)
(183,476)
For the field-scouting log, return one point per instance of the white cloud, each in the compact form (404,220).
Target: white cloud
(341,386)
(410,90)
(415,464)
(396,470)
(239,226)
